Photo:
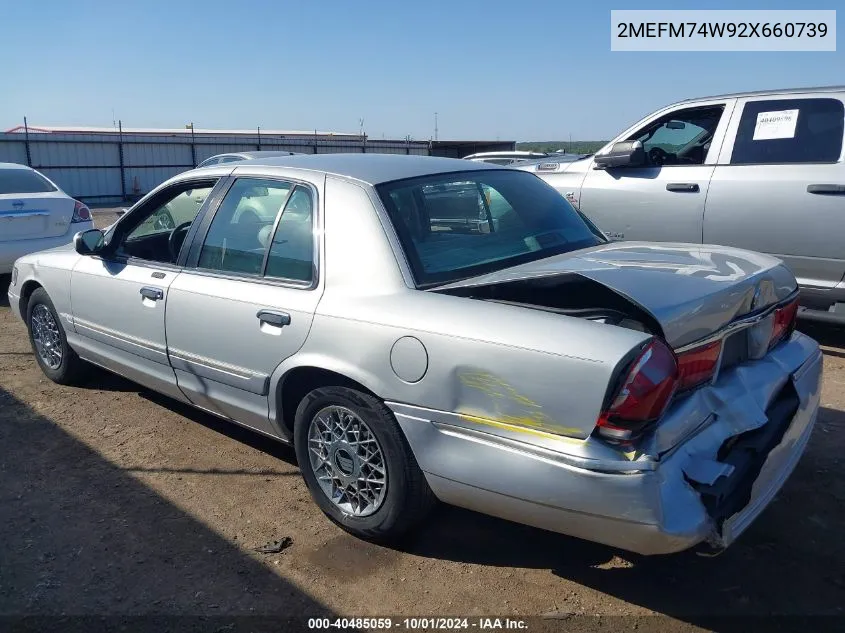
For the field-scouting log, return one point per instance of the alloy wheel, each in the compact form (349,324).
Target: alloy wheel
(46,336)
(347,461)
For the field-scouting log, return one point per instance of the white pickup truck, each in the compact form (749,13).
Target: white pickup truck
(762,171)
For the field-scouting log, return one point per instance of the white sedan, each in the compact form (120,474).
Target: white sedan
(35,214)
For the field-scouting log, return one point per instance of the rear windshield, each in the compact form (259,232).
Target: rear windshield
(458,225)
(23,181)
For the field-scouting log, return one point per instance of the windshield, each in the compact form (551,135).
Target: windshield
(458,225)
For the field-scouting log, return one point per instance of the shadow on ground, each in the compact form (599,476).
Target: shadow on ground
(80,536)
(5,280)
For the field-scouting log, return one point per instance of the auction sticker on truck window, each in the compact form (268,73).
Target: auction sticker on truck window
(776,124)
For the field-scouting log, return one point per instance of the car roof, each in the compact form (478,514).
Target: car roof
(268,153)
(762,93)
(14,166)
(504,154)
(373,169)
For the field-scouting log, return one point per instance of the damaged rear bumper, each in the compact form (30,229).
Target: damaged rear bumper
(725,453)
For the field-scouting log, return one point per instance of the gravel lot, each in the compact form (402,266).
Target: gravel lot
(114,500)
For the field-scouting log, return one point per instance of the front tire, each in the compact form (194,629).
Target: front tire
(54,356)
(357,464)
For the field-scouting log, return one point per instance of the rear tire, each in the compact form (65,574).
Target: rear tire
(357,464)
(49,343)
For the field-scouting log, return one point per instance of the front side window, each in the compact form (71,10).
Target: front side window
(155,232)
(454,226)
(178,211)
(789,131)
(680,138)
(245,226)
(23,181)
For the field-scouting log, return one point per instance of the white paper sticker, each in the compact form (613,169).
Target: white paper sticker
(777,124)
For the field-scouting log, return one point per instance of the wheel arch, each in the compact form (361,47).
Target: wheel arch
(295,382)
(28,287)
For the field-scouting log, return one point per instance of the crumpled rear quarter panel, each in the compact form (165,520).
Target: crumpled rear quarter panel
(652,508)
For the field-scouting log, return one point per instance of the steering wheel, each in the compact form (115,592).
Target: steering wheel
(657,156)
(171,240)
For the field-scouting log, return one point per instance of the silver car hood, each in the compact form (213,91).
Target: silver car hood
(692,290)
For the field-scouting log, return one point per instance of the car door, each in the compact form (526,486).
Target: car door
(246,299)
(118,297)
(662,199)
(779,186)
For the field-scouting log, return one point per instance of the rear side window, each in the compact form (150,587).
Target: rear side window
(240,232)
(292,249)
(789,131)
(23,181)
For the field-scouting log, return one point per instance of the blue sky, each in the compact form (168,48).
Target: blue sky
(536,70)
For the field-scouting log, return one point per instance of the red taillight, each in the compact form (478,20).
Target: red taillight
(784,322)
(81,213)
(698,365)
(644,394)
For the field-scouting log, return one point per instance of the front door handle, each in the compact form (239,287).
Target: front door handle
(154,294)
(683,187)
(271,317)
(835,190)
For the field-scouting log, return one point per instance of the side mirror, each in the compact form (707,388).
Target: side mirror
(622,154)
(88,242)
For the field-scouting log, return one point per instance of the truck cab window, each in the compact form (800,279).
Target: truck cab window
(680,138)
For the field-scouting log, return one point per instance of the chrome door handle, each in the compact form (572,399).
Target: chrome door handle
(684,187)
(154,294)
(271,317)
(827,189)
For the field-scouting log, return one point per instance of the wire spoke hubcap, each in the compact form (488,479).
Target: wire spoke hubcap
(347,460)
(45,335)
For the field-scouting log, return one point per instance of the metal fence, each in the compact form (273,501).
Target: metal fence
(112,167)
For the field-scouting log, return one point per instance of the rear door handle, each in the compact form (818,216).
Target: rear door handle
(151,293)
(271,317)
(684,187)
(827,189)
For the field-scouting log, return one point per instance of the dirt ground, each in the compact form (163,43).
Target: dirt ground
(115,501)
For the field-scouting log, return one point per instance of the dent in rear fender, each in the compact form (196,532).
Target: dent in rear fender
(492,364)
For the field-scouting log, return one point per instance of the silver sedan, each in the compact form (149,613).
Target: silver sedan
(423,328)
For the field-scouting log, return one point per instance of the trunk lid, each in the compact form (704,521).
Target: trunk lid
(34,215)
(691,290)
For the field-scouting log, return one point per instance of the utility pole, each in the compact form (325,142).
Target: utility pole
(193,144)
(435,126)
(26,143)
